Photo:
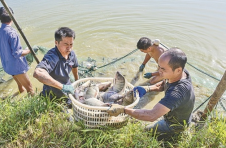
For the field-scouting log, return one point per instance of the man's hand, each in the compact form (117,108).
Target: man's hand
(116,109)
(141,90)
(29,55)
(68,89)
(148,75)
(141,67)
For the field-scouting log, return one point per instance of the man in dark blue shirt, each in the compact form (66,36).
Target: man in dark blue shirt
(54,69)
(177,104)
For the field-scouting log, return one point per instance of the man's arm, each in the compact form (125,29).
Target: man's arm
(75,73)
(155,73)
(25,52)
(156,87)
(16,48)
(43,76)
(148,115)
(146,59)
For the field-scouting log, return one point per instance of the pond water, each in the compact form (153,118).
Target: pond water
(106,30)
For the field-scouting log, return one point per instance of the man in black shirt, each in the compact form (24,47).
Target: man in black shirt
(177,104)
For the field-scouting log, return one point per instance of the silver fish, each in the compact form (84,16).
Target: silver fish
(95,102)
(81,99)
(119,83)
(111,97)
(76,94)
(80,91)
(128,98)
(92,92)
(104,86)
(99,96)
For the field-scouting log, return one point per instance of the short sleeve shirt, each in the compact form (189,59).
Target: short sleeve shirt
(179,98)
(10,51)
(58,68)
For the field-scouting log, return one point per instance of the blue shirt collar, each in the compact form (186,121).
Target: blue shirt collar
(4,25)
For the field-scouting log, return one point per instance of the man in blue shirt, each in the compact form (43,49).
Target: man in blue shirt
(54,69)
(12,55)
(177,104)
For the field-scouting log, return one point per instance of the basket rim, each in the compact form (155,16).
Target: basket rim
(97,107)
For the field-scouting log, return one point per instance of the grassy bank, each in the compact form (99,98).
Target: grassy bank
(35,122)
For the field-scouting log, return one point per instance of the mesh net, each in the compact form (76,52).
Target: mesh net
(4,77)
(204,83)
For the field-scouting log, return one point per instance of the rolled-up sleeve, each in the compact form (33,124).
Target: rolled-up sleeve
(15,45)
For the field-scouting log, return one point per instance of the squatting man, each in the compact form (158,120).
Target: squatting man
(54,69)
(177,104)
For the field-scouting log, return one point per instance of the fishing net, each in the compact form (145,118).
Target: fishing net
(203,82)
(30,57)
(4,77)
(204,86)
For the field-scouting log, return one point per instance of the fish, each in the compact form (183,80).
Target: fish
(76,94)
(128,98)
(95,102)
(99,96)
(136,78)
(119,83)
(110,97)
(92,92)
(79,96)
(91,97)
(86,84)
(80,91)
(104,86)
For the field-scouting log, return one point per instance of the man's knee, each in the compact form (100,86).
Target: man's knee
(151,128)
(160,133)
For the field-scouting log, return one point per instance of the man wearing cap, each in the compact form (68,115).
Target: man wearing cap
(177,104)
(12,54)
(152,50)
(54,69)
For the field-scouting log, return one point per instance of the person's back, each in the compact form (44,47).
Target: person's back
(11,58)
(156,52)
(12,54)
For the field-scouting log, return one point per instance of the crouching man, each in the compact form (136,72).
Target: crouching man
(54,69)
(177,104)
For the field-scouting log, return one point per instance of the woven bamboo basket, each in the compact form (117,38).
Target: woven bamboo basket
(97,117)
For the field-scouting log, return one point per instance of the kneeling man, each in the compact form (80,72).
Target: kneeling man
(177,104)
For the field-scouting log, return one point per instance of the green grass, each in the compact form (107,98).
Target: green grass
(38,122)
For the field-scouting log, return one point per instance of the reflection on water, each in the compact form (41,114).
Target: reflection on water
(111,29)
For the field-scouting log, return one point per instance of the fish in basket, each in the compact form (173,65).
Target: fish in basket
(94,95)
